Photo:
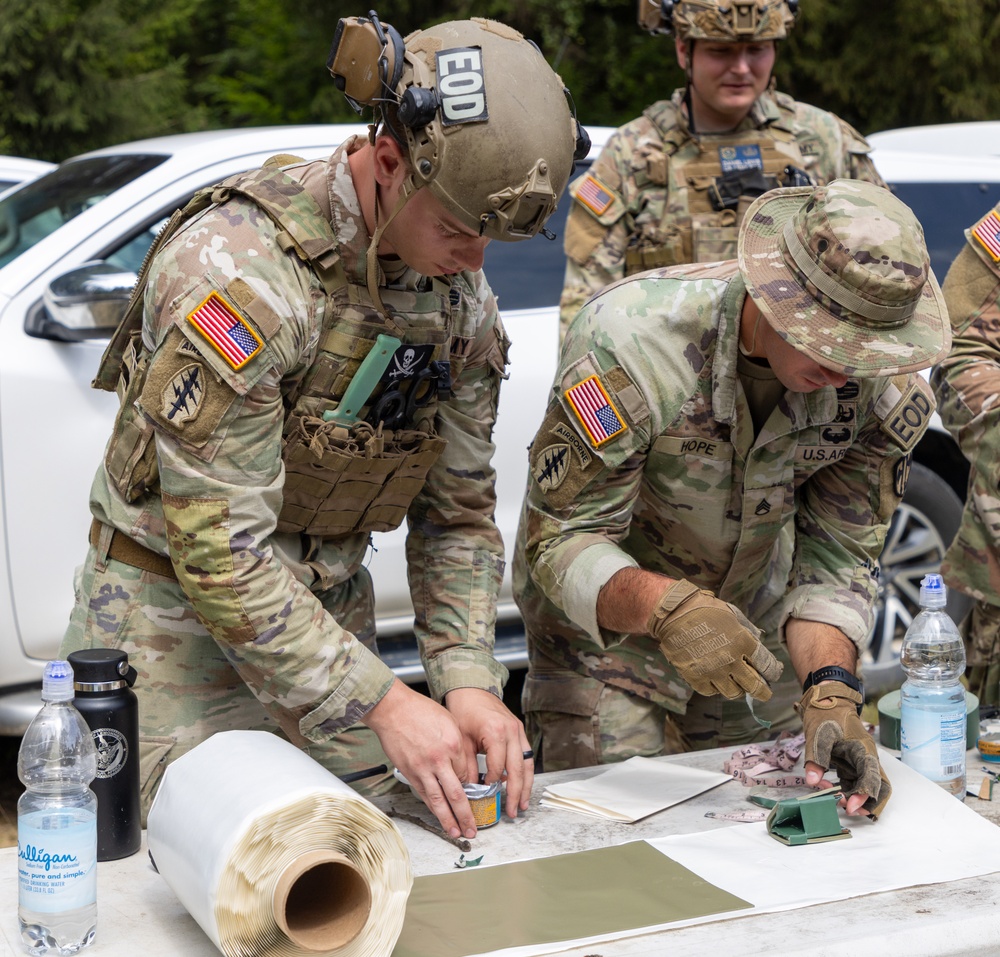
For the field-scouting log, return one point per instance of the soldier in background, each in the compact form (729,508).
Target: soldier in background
(967,384)
(312,355)
(673,185)
(723,451)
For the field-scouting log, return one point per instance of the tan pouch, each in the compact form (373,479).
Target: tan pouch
(340,481)
(130,459)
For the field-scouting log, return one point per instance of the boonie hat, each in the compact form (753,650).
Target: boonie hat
(842,273)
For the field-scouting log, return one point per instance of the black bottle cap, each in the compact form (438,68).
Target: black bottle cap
(101,665)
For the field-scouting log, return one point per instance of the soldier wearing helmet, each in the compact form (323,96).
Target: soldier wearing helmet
(672,185)
(313,354)
(712,484)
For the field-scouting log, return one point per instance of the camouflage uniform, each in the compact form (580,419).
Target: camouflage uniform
(646,202)
(253,622)
(966,384)
(698,464)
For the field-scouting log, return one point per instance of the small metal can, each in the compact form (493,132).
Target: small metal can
(485,801)
(988,742)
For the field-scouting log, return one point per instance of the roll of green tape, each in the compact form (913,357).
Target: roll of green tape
(888,720)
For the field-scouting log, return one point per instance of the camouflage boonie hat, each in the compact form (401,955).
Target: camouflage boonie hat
(842,273)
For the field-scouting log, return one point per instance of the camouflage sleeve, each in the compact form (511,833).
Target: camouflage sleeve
(859,161)
(843,512)
(583,485)
(573,532)
(966,384)
(454,550)
(597,228)
(221,472)
(966,381)
(835,150)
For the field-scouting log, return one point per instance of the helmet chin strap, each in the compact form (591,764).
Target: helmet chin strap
(689,76)
(372,268)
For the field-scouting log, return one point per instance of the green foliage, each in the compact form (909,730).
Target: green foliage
(905,63)
(78,74)
(65,88)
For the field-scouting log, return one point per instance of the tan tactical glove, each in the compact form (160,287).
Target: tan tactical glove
(835,737)
(712,644)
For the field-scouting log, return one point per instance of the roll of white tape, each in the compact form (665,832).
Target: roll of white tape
(274,856)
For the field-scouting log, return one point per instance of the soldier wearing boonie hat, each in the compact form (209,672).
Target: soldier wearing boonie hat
(966,384)
(712,484)
(841,273)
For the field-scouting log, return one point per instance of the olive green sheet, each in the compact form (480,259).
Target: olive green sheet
(574,896)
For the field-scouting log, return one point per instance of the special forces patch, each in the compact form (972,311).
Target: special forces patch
(182,395)
(551,466)
(230,335)
(595,410)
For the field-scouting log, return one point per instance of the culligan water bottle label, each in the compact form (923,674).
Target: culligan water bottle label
(56,860)
(933,742)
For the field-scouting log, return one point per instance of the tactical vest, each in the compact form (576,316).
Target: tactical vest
(341,476)
(699,188)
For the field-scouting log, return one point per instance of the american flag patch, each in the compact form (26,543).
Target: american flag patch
(594,196)
(226,330)
(595,410)
(987,231)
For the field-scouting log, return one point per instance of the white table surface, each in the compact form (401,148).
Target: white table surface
(139,916)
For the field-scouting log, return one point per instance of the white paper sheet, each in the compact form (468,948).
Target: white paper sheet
(925,836)
(632,790)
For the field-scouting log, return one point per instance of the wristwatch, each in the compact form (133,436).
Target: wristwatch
(835,673)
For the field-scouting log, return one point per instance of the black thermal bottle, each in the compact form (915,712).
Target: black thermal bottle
(103,680)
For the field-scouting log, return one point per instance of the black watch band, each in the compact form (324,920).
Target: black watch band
(835,673)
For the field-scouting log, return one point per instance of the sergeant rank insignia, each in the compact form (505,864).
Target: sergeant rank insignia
(226,330)
(595,410)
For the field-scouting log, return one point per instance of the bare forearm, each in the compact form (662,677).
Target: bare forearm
(627,600)
(813,644)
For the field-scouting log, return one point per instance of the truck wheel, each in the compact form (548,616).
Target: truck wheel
(921,529)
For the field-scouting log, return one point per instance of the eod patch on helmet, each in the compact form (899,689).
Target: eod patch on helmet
(462,86)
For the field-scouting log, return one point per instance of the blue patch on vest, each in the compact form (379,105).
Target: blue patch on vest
(735,159)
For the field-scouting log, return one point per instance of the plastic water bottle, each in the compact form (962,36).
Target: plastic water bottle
(933,717)
(57,823)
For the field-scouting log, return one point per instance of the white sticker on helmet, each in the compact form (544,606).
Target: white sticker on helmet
(462,86)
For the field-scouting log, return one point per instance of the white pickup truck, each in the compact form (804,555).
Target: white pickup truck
(71,242)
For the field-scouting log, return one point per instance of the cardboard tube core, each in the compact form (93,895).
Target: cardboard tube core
(321,901)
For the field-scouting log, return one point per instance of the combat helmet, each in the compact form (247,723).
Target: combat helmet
(746,21)
(488,126)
